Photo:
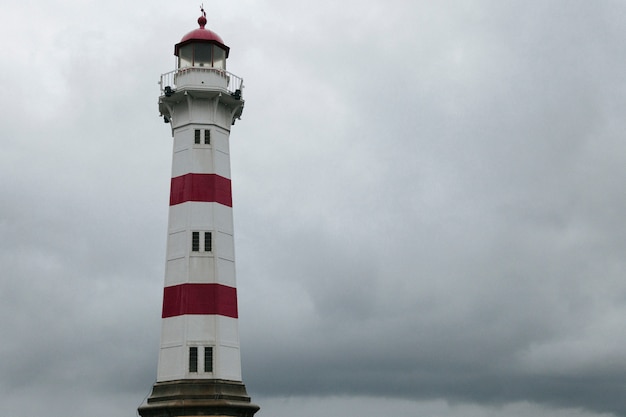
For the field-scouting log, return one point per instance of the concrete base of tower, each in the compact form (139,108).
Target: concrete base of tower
(198,397)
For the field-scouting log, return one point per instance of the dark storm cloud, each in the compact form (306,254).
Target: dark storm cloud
(477,257)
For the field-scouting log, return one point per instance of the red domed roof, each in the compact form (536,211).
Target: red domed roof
(201,35)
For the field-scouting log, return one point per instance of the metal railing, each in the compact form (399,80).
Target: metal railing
(169,78)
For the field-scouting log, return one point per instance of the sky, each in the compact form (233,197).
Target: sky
(428,201)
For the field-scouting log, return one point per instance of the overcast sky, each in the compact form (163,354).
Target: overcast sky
(429,202)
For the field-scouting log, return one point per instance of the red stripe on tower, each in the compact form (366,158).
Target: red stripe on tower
(209,188)
(199,299)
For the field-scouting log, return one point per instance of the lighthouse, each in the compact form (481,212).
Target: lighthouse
(199,365)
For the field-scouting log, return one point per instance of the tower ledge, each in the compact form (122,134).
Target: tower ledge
(198,397)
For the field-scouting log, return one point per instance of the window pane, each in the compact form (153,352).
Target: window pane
(207,242)
(219,57)
(202,56)
(207,137)
(195,241)
(193,359)
(185,56)
(208,359)
(197,136)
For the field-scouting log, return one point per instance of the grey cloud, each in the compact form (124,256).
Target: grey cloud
(427,203)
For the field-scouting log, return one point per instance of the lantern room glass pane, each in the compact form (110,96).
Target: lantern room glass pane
(219,57)
(202,56)
(185,56)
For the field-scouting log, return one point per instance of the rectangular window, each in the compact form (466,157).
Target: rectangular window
(197,136)
(193,359)
(195,241)
(207,242)
(208,359)
(207,137)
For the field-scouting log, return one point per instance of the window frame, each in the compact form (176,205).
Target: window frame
(208,238)
(193,359)
(201,242)
(195,241)
(208,359)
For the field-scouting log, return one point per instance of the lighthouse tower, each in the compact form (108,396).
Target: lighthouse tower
(199,369)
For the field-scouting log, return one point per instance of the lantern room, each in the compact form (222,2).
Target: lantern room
(201,48)
(201,70)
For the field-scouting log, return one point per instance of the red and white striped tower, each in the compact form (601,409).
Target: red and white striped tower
(199,371)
